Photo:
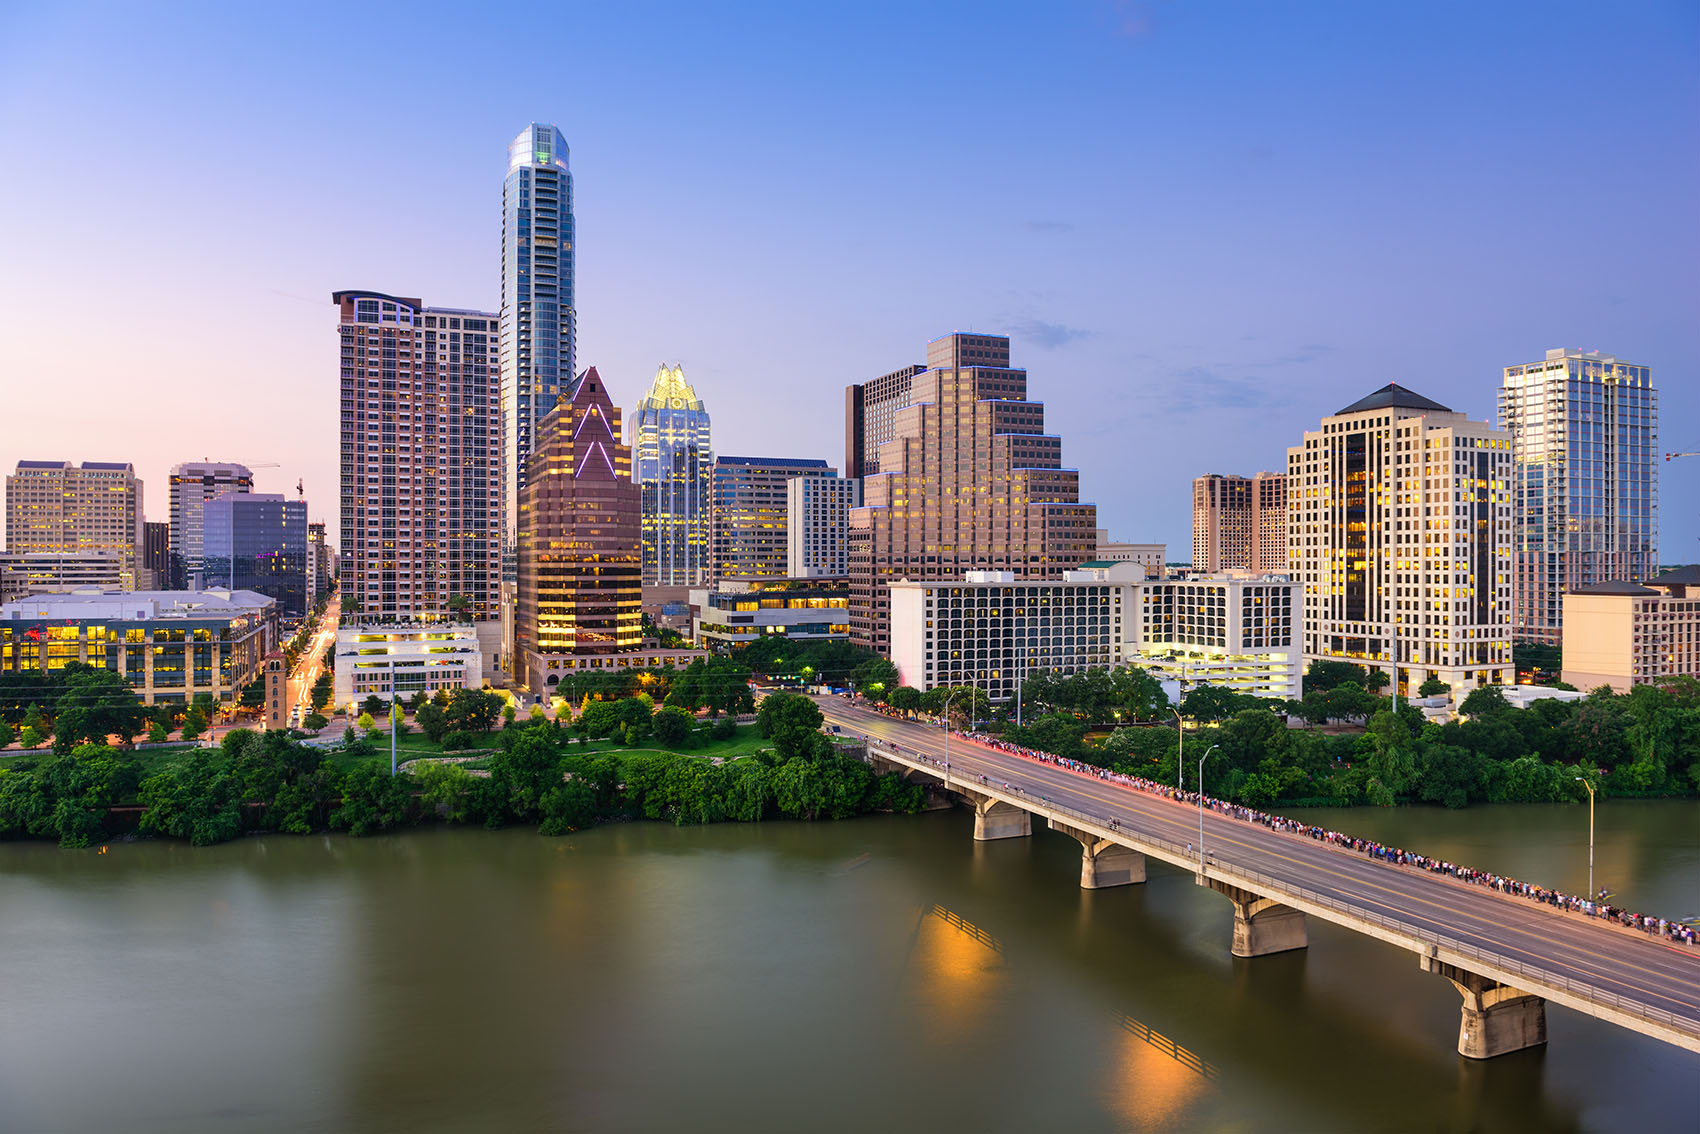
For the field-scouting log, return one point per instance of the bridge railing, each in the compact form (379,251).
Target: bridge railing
(1272,886)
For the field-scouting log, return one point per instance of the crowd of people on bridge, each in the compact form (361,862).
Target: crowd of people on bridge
(1591,906)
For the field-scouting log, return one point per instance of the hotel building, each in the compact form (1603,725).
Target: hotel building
(48,572)
(674,462)
(991,631)
(969,481)
(817,525)
(66,509)
(1239,523)
(193,483)
(749,520)
(1153,556)
(169,645)
(1623,635)
(1584,440)
(580,547)
(1399,530)
(421,463)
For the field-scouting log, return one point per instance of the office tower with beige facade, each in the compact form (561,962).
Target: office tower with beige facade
(1625,634)
(421,462)
(817,525)
(1584,436)
(193,483)
(90,509)
(581,540)
(673,459)
(1399,531)
(969,481)
(870,417)
(748,518)
(1239,523)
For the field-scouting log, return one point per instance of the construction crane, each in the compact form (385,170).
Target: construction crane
(1673,456)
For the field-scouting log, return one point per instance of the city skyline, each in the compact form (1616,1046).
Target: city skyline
(1253,311)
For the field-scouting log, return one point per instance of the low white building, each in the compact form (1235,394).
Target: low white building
(738,611)
(404,658)
(990,631)
(1151,555)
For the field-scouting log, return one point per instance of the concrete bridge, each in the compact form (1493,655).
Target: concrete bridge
(1507,956)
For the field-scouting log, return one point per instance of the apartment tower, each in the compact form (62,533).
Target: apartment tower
(750,523)
(968,481)
(88,509)
(1399,531)
(675,462)
(817,525)
(421,461)
(539,319)
(581,540)
(1584,439)
(193,483)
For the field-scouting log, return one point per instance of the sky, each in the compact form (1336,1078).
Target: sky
(1203,225)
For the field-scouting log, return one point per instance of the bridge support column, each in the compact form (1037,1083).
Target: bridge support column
(1497,1019)
(995,819)
(1103,863)
(1262,925)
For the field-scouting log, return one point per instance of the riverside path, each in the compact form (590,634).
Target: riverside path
(1507,956)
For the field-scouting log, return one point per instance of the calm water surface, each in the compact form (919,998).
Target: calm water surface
(881,974)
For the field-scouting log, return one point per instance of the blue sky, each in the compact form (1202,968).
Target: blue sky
(1204,225)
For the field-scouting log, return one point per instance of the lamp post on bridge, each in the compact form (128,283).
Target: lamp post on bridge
(1180,733)
(1201,761)
(1593,895)
(948,698)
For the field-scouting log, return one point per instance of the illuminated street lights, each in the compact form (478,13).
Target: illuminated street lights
(948,698)
(1593,895)
(1201,761)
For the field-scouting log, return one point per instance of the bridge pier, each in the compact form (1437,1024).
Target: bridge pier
(1103,863)
(1496,1019)
(995,819)
(1262,925)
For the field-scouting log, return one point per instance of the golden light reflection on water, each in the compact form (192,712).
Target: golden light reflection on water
(1153,1081)
(957,970)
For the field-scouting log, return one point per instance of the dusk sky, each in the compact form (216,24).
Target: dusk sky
(1204,225)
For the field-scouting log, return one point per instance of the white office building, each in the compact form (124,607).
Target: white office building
(404,658)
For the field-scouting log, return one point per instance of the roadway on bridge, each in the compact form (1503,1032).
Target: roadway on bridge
(1610,959)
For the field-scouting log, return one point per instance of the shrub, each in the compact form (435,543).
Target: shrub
(460,741)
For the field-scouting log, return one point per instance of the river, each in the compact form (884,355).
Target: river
(881,974)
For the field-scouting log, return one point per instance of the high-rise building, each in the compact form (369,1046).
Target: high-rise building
(318,563)
(674,460)
(749,515)
(580,546)
(968,481)
(539,320)
(25,573)
(193,483)
(817,525)
(1239,523)
(1399,530)
(257,541)
(55,506)
(1584,436)
(421,462)
(870,417)
(156,554)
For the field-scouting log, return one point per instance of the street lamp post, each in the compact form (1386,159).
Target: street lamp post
(1592,893)
(948,698)
(1201,761)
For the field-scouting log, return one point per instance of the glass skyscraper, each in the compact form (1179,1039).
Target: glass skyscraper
(1584,430)
(539,323)
(257,541)
(675,466)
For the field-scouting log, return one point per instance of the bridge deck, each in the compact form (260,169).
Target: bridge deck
(1584,963)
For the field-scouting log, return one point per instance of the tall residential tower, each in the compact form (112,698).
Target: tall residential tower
(1239,523)
(1584,430)
(539,322)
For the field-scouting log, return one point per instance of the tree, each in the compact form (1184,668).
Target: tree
(474,710)
(7,735)
(567,808)
(31,736)
(874,677)
(1375,679)
(444,789)
(194,723)
(1139,693)
(373,800)
(1483,700)
(96,703)
(372,706)
(1215,703)
(673,728)
(1325,675)
(253,694)
(322,691)
(432,721)
(1433,687)
(790,720)
(314,722)
(904,698)
(366,723)
(527,768)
